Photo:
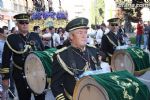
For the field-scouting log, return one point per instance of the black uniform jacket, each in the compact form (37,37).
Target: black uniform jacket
(68,64)
(16,48)
(109,43)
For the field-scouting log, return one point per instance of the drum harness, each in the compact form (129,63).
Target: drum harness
(27,46)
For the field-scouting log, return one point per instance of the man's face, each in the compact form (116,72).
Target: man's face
(114,27)
(38,30)
(52,31)
(79,37)
(23,26)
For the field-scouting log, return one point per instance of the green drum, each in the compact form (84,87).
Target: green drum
(38,68)
(133,59)
(119,85)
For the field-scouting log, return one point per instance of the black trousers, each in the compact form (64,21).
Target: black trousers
(24,93)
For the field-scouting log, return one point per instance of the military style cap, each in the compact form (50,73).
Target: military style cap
(77,23)
(22,16)
(114,20)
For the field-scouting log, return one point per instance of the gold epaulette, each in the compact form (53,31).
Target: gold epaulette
(4,70)
(60,97)
(91,46)
(60,50)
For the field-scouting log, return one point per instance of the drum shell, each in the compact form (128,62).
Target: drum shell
(38,66)
(122,60)
(119,85)
(89,85)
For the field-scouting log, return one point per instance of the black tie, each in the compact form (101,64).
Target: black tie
(52,42)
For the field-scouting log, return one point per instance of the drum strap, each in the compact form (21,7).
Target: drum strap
(72,63)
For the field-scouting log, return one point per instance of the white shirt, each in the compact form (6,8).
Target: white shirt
(99,34)
(56,40)
(90,40)
(1,49)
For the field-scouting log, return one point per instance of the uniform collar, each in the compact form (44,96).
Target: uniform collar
(78,49)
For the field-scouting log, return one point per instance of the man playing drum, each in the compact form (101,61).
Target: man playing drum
(70,62)
(18,46)
(110,41)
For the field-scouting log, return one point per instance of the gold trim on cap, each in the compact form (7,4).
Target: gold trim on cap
(78,28)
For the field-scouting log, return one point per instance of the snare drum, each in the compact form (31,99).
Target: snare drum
(38,68)
(134,60)
(119,85)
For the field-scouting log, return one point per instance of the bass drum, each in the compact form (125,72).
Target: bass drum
(121,60)
(38,68)
(119,85)
(134,60)
(88,89)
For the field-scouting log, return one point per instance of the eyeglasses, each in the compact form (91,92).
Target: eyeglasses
(114,24)
(23,22)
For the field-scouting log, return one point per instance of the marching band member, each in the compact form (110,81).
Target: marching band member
(18,46)
(110,40)
(70,62)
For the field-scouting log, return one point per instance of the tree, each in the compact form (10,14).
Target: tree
(132,12)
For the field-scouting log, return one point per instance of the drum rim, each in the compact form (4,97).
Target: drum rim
(76,92)
(121,52)
(35,92)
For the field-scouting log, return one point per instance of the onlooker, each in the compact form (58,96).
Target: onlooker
(139,33)
(3,93)
(63,37)
(146,34)
(98,35)
(36,29)
(55,38)
(14,30)
(2,41)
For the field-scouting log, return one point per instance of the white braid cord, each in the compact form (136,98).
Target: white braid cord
(19,52)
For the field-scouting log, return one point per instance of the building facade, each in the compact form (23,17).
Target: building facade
(8,8)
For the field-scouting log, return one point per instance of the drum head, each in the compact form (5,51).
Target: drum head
(121,60)
(88,89)
(35,74)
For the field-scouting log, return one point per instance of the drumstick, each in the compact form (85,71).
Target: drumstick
(15,97)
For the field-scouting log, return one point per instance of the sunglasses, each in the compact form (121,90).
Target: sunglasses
(114,24)
(23,22)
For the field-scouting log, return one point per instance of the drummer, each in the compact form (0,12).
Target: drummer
(70,62)
(110,40)
(17,47)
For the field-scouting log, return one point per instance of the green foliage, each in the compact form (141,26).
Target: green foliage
(133,40)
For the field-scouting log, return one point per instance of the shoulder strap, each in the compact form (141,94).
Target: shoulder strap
(72,62)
